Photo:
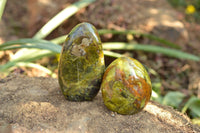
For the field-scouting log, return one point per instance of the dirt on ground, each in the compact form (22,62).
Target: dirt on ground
(36,104)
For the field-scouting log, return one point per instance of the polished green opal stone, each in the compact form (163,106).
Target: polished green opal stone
(81,64)
(126,86)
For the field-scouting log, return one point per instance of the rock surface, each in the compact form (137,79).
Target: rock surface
(81,64)
(126,86)
(36,105)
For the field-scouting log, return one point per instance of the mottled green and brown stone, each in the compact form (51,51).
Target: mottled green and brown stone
(81,64)
(126,86)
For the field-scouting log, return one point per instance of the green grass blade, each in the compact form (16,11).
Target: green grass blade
(2,6)
(44,49)
(31,43)
(173,98)
(59,40)
(133,32)
(47,45)
(193,104)
(26,56)
(61,17)
(150,48)
(112,54)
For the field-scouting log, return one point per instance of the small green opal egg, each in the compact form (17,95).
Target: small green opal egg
(126,86)
(81,64)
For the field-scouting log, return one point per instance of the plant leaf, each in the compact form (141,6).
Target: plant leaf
(150,48)
(31,43)
(173,99)
(196,121)
(2,6)
(193,104)
(156,97)
(61,17)
(59,40)
(26,56)
(133,32)
(112,54)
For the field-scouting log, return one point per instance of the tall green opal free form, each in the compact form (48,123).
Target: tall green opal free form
(126,86)
(81,64)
